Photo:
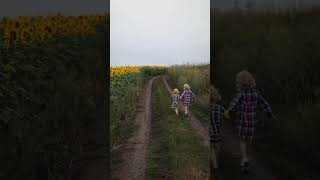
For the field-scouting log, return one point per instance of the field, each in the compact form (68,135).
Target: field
(52,89)
(127,85)
(166,140)
(282,53)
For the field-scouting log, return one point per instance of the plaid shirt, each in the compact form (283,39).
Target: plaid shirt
(186,95)
(245,104)
(175,101)
(215,123)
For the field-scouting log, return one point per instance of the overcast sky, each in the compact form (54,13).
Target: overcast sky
(159,32)
(44,7)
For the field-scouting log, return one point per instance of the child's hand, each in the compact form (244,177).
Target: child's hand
(271,116)
(226,114)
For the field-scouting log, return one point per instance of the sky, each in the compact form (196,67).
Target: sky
(45,7)
(159,32)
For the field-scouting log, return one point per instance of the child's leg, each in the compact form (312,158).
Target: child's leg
(213,157)
(243,150)
(218,149)
(177,111)
(186,109)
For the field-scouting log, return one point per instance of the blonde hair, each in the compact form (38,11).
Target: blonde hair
(186,87)
(175,91)
(244,78)
(214,95)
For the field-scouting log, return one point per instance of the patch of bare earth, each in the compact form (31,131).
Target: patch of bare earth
(136,148)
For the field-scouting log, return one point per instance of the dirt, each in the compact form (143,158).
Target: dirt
(231,148)
(136,148)
(196,125)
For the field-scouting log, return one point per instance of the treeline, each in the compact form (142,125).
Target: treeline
(282,52)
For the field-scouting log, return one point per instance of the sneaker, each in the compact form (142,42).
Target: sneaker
(245,167)
(186,114)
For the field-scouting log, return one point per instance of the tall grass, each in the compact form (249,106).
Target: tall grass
(48,93)
(175,151)
(198,77)
(282,52)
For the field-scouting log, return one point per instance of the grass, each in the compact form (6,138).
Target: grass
(281,52)
(175,151)
(197,76)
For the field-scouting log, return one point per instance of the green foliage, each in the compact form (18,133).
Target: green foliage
(281,51)
(125,92)
(151,71)
(198,77)
(47,94)
(125,95)
(175,150)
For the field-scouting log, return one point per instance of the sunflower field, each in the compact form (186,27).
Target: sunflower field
(53,80)
(126,89)
(27,29)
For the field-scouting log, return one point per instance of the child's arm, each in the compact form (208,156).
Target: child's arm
(225,113)
(234,102)
(182,94)
(265,106)
(194,96)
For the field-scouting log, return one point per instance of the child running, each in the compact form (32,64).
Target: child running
(217,111)
(186,96)
(245,105)
(175,100)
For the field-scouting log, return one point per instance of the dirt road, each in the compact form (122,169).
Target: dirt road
(201,131)
(136,148)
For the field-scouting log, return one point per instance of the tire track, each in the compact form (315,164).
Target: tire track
(136,148)
(196,125)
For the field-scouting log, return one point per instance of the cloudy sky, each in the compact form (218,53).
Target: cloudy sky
(44,7)
(159,32)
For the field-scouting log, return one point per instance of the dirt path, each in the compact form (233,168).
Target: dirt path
(201,131)
(231,147)
(136,149)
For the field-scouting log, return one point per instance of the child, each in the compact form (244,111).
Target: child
(186,96)
(245,105)
(175,100)
(215,128)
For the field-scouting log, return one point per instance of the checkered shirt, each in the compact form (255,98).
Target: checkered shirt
(186,95)
(215,123)
(245,105)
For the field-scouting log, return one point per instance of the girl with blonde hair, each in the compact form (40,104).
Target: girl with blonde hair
(186,96)
(175,100)
(245,104)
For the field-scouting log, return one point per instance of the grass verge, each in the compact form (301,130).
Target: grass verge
(175,151)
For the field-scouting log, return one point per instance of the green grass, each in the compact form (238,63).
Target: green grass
(175,151)
(280,51)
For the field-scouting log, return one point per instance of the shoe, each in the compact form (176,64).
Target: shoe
(245,167)
(186,114)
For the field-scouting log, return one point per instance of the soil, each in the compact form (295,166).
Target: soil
(136,148)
